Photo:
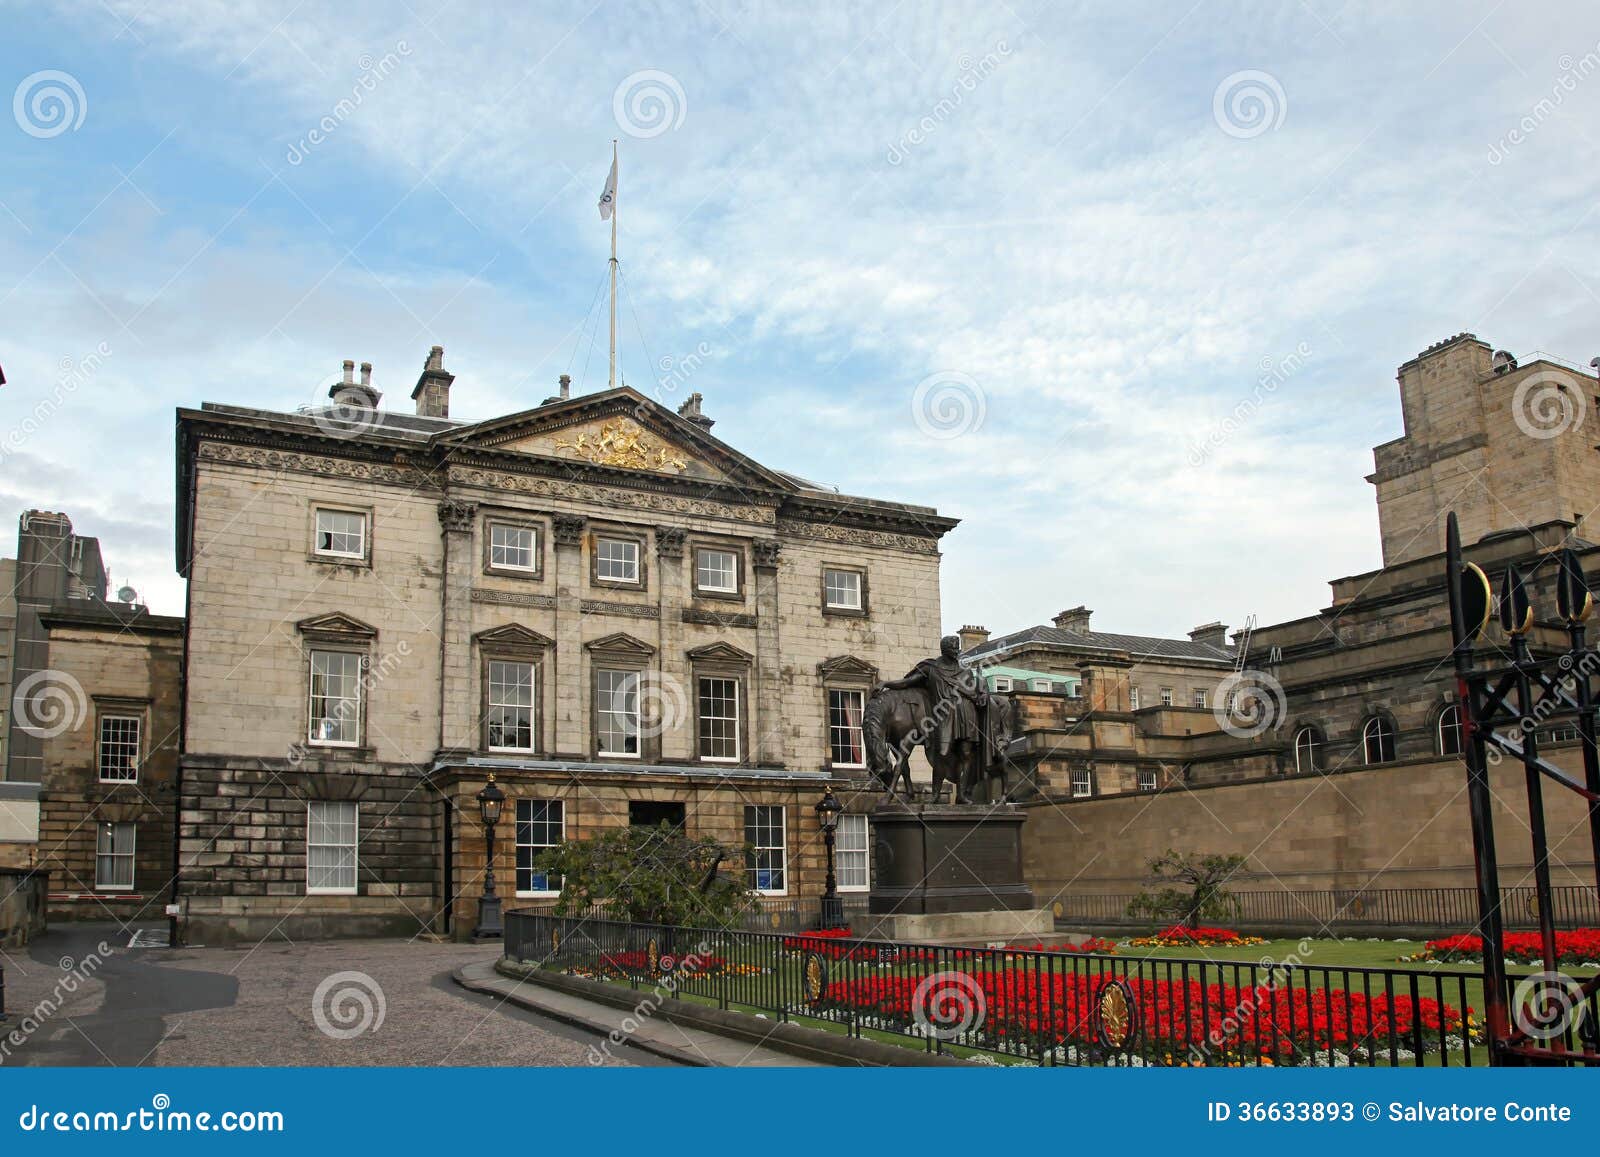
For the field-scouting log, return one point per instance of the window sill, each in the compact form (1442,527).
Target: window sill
(536,895)
(719,596)
(845,612)
(513,572)
(351,563)
(332,892)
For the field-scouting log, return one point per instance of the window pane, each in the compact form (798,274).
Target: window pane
(113,861)
(509,714)
(617,712)
(119,748)
(539,826)
(842,588)
(719,718)
(331,846)
(852,850)
(844,728)
(617,560)
(335,697)
(717,570)
(512,546)
(766,861)
(341,532)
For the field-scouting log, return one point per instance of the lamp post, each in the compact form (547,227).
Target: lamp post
(828,809)
(490,802)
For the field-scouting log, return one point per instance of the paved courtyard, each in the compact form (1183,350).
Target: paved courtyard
(364,1002)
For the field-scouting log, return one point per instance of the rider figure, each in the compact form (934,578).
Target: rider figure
(957,698)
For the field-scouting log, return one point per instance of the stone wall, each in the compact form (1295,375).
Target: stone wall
(1402,825)
(22,905)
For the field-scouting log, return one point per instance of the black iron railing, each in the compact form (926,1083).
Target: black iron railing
(1048,1008)
(1445,910)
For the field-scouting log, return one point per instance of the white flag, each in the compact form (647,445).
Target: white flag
(608,199)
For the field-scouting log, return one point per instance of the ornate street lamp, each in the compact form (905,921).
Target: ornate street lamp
(491,800)
(828,809)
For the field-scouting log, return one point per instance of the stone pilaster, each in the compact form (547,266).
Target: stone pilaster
(567,676)
(456,710)
(677,743)
(766,716)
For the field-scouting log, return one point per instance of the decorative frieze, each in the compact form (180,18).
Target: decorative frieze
(512,598)
(631,610)
(719,618)
(856,536)
(321,464)
(590,493)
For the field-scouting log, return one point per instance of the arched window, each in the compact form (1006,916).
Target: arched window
(1307,751)
(1450,732)
(1377,740)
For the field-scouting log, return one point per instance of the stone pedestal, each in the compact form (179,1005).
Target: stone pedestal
(935,860)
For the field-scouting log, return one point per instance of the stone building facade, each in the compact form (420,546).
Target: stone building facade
(615,613)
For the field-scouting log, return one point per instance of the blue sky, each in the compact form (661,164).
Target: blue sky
(1057,216)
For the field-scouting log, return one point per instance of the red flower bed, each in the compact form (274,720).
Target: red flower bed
(826,943)
(1182,936)
(1575,946)
(639,961)
(1213,1024)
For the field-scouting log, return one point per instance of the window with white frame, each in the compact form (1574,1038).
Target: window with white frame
(766,860)
(719,718)
(331,847)
(341,533)
(845,747)
(541,825)
(1377,740)
(1001,683)
(853,854)
(1200,699)
(509,705)
(335,698)
(1082,782)
(1450,732)
(513,547)
(1040,685)
(616,560)
(1307,751)
(841,589)
(1166,696)
(1148,779)
(113,857)
(1133,698)
(716,571)
(119,748)
(616,708)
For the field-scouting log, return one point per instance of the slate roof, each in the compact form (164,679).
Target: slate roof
(1141,646)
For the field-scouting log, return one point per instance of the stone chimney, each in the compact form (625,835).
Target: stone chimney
(1212,634)
(349,393)
(973,637)
(432,393)
(690,412)
(1077,619)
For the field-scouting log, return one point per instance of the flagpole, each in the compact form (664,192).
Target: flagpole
(613,384)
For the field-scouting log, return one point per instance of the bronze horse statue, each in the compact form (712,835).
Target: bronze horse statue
(897,721)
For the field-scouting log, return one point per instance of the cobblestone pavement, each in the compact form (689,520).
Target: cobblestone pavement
(80,996)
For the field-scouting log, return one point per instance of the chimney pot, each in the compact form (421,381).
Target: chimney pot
(432,392)
(349,370)
(566,386)
(1076,619)
(1214,634)
(366,373)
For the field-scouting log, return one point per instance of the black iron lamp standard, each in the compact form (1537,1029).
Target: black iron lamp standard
(828,811)
(491,801)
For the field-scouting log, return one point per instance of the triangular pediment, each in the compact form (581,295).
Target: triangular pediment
(621,645)
(847,667)
(619,429)
(512,635)
(336,623)
(720,652)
